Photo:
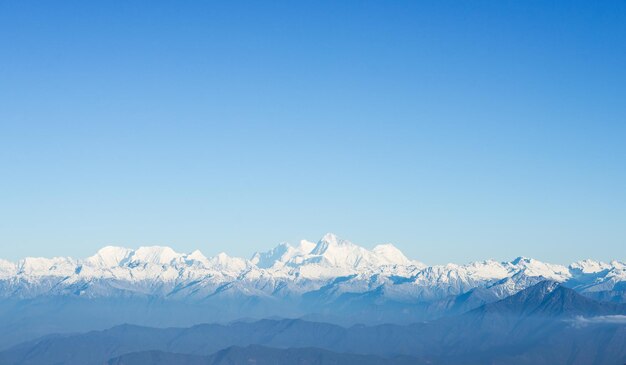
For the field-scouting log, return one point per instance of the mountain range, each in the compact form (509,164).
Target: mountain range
(332,265)
(332,280)
(543,324)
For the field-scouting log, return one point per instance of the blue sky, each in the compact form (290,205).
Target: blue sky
(456,130)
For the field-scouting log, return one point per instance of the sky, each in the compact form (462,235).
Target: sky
(457,130)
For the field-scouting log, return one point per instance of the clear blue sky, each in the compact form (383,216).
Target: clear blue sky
(457,130)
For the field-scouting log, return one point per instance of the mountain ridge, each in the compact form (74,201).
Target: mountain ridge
(509,331)
(289,270)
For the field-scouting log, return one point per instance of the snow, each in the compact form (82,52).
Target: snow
(109,256)
(228,264)
(7,269)
(39,266)
(333,264)
(282,254)
(391,254)
(532,267)
(589,266)
(270,258)
(154,255)
(197,257)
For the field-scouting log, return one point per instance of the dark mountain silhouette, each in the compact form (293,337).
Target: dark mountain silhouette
(549,299)
(546,323)
(518,327)
(615,296)
(260,355)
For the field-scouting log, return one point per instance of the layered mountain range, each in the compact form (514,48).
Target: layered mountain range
(330,268)
(333,281)
(315,303)
(543,324)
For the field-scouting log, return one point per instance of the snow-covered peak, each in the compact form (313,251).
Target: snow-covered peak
(281,254)
(336,252)
(488,269)
(157,255)
(341,253)
(109,256)
(331,242)
(536,268)
(7,269)
(227,264)
(4,264)
(333,256)
(39,266)
(391,254)
(305,247)
(521,260)
(196,256)
(269,258)
(589,266)
(288,269)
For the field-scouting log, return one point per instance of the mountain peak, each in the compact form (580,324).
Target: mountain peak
(160,255)
(224,262)
(532,267)
(330,241)
(282,270)
(525,300)
(329,236)
(546,286)
(537,292)
(521,260)
(109,256)
(269,258)
(589,266)
(197,255)
(390,253)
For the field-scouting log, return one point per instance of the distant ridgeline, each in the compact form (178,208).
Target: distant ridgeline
(544,324)
(332,281)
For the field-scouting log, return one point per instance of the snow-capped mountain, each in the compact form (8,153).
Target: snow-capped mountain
(330,268)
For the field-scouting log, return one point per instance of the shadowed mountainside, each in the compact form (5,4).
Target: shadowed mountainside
(260,355)
(546,323)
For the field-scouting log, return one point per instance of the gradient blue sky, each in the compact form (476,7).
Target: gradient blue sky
(457,130)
